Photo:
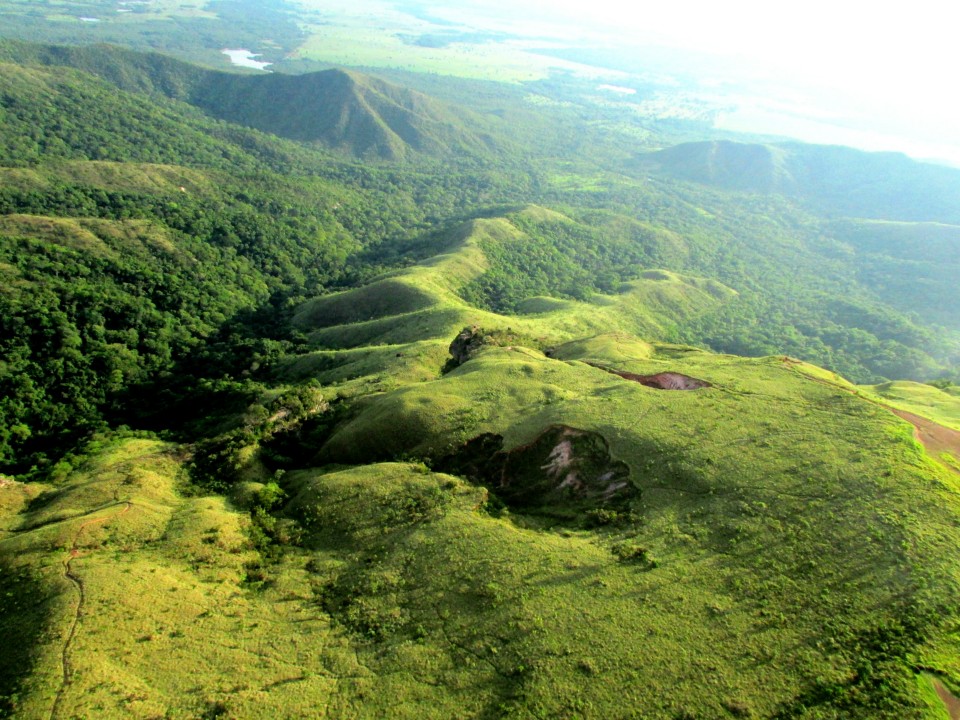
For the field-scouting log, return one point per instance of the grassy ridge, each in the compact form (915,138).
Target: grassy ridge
(398,327)
(751,505)
(522,620)
(941,406)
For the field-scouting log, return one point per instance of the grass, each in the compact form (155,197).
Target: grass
(171,624)
(787,549)
(750,503)
(941,406)
(372,47)
(744,577)
(756,542)
(110,176)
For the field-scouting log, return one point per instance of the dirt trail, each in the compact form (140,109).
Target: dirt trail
(951,702)
(936,438)
(77,582)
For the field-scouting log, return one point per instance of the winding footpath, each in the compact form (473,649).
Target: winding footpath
(77,582)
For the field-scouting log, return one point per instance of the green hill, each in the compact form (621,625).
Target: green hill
(600,540)
(836,180)
(357,115)
(940,405)
(398,328)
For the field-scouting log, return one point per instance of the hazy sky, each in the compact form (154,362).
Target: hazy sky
(888,68)
(877,47)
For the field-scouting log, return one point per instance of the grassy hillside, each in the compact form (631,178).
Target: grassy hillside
(432,439)
(940,405)
(723,535)
(792,270)
(399,327)
(737,571)
(146,249)
(800,289)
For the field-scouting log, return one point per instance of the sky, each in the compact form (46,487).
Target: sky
(884,69)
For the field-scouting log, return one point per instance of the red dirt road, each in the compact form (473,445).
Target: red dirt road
(937,439)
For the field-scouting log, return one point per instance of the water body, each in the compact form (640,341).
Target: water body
(617,89)
(245,58)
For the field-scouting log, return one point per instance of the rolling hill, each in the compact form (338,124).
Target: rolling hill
(757,542)
(288,434)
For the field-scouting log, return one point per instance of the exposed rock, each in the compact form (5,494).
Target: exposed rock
(465,346)
(562,466)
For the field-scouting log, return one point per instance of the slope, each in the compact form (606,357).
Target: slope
(914,265)
(355,114)
(603,543)
(940,405)
(835,180)
(743,522)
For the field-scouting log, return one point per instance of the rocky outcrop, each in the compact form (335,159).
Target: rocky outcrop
(562,467)
(465,346)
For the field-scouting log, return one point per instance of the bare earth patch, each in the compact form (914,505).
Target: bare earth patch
(949,699)
(936,438)
(659,381)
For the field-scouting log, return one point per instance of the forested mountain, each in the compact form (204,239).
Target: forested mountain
(94,160)
(835,180)
(315,401)
(355,114)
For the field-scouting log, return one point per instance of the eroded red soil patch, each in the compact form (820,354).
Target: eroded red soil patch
(660,381)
